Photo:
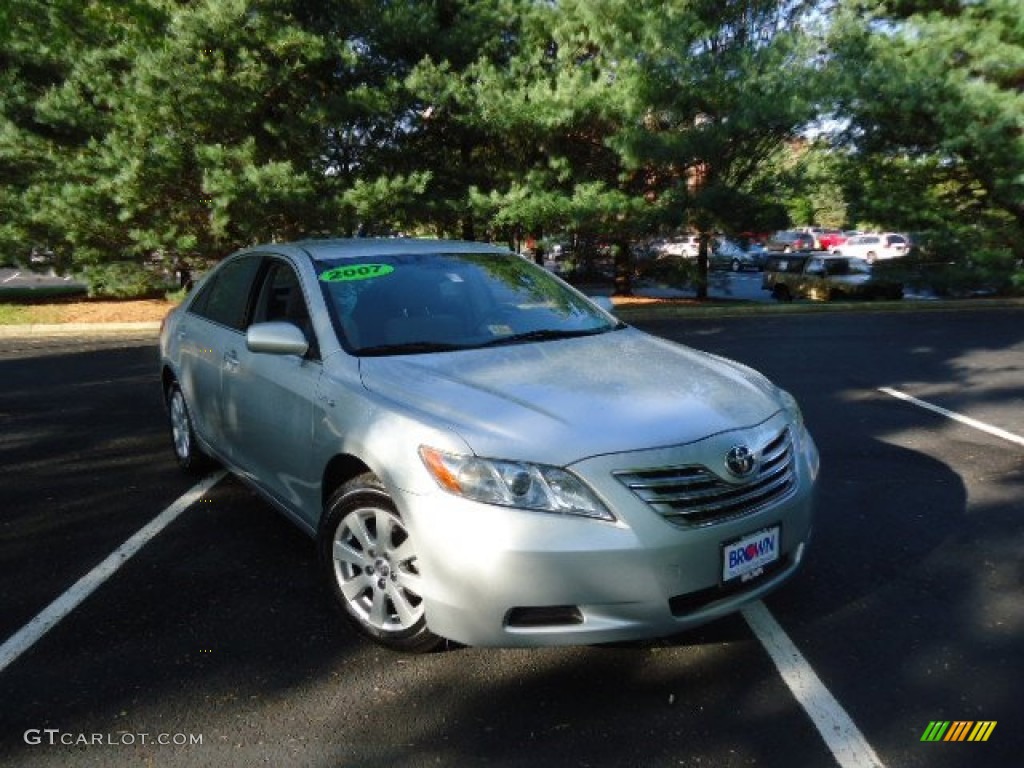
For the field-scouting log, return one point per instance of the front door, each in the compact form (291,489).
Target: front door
(269,399)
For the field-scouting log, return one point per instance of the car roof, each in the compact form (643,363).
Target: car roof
(342,248)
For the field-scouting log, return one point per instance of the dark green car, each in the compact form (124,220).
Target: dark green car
(824,276)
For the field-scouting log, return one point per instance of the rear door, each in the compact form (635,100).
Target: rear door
(213,326)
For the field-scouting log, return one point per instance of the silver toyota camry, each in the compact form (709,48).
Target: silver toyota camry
(481,452)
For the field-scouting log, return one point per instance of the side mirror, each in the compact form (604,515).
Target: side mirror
(276,339)
(604,303)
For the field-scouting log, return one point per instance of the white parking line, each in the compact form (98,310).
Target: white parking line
(841,735)
(27,636)
(12,277)
(980,425)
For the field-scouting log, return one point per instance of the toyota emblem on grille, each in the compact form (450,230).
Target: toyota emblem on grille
(740,461)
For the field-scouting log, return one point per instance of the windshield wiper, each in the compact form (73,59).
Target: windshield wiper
(545,334)
(408,348)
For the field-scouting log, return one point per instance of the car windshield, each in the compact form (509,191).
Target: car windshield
(411,304)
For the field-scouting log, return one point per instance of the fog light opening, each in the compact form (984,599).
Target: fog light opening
(544,616)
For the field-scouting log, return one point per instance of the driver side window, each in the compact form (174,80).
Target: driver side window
(281,300)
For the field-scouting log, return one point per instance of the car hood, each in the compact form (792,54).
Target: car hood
(558,402)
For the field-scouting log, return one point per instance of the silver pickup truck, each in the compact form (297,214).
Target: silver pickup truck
(824,276)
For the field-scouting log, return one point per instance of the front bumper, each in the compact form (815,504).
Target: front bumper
(494,576)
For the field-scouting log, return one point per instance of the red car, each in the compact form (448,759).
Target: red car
(830,239)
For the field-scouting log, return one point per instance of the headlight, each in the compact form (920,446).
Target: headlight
(513,484)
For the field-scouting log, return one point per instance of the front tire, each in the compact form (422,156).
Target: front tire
(372,567)
(189,455)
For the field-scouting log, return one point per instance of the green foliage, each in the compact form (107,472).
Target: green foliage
(185,130)
(945,267)
(122,280)
(814,174)
(673,271)
(382,205)
(935,109)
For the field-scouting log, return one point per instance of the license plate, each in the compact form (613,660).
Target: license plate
(745,558)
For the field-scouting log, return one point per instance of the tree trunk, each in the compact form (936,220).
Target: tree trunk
(623,268)
(702,265)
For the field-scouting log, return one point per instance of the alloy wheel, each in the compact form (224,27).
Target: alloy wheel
(375,568)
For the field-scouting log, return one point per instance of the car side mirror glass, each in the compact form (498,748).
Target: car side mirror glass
(276,338)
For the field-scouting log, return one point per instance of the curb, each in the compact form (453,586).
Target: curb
(78,329)
(669,310)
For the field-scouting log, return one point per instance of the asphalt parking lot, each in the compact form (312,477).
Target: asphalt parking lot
(13,277)
(214,644)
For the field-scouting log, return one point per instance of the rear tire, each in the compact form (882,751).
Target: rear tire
(189,455)
(371,567)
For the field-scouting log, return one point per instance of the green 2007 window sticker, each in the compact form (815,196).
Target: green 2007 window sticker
(352,272)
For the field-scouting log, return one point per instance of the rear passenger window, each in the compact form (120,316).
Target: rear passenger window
(225,298)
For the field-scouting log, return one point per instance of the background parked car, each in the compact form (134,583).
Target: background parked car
(815,233)
(687,245)
(684,246)
(730,255)
(873,247)
(790,240)
(822,276)
(758,253)
(830,239)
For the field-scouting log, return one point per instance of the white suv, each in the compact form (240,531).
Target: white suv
(873,247)
(685,246)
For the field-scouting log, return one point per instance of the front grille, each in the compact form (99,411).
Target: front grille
(692,495)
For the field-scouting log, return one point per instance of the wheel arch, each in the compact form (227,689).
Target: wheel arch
(167,379)
(339,470)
